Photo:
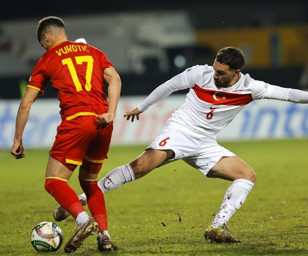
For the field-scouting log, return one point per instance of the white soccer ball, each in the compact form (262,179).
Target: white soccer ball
(46,237)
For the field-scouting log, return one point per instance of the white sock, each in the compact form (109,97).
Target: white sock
(106,233)
(233,200)
(82,196)
(116,178)
(82,218)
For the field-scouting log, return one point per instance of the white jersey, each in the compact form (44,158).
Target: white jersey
(208,109)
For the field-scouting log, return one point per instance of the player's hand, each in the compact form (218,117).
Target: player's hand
(105,119)
(133,114)
(18,150)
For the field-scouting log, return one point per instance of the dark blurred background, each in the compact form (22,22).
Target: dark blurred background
(150,41)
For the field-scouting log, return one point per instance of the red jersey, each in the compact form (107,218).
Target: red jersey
(76,72)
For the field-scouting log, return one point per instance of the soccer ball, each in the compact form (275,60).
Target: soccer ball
(46,237)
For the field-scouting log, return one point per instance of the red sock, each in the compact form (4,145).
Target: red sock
(64,195)
(96,202)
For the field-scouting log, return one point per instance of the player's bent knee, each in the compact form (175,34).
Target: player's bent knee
(51,185)
(251,175)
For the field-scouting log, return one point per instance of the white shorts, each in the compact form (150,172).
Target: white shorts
(199,151)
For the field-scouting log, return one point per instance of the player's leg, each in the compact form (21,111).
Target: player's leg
(95,155)
(232,168)
(95,198)
(56,184)
(243,177)
(159,152)
(56,178)
(66,153)
(142,165)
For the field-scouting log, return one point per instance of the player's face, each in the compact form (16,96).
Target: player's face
(223,75)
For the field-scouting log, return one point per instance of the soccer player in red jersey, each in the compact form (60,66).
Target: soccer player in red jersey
(77,71)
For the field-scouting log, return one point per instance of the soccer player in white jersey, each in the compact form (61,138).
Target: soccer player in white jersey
(217,93)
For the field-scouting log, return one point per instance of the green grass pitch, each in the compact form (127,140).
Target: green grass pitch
(167,211)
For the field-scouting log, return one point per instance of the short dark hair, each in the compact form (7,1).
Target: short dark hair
(231,56)
(46,22)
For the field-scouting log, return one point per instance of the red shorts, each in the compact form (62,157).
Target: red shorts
(81,138)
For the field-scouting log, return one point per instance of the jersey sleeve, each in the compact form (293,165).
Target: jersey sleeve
(105,62)
(264,90)
(287,94)
(179,82)
(160,92)
(38,78)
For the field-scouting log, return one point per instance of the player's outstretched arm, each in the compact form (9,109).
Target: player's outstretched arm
(287,94)
(133,114)
(176,83)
